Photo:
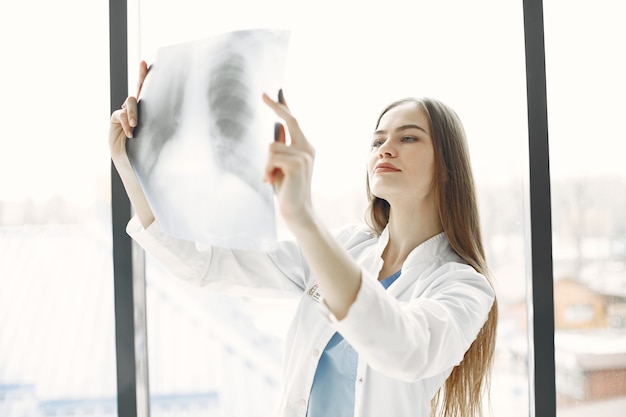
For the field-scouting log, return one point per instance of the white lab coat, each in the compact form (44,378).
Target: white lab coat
(408,337)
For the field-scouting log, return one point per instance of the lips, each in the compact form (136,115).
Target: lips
(386,167)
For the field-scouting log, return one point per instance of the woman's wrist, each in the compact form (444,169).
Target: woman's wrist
(133,189)
(303,224)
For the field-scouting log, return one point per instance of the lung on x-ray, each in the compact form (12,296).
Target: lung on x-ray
(203,134)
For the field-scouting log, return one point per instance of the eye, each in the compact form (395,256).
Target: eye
(377,143)
(408,139)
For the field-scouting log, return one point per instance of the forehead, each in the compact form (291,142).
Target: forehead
(409,113)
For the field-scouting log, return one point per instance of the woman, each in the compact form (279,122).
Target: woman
(422,342)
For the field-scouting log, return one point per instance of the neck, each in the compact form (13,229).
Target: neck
(409,226)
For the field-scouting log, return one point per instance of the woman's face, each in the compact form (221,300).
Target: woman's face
(401,163)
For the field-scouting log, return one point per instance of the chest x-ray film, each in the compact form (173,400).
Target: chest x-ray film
(201,144)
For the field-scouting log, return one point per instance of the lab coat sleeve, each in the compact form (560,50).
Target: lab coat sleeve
(410,340)
(279,272)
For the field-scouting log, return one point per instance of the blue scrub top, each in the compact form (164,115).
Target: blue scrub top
(332,393)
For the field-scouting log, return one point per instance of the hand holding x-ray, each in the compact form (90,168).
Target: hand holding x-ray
(201,141)
(290,166)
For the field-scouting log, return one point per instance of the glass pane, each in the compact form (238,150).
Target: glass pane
(57,342)
(342,70)
(586,64)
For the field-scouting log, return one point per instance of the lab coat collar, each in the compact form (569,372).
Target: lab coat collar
(433,247)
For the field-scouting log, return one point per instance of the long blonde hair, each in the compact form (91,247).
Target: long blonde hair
(463,391)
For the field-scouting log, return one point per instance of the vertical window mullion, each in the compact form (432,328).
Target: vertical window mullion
(541,303)
(128,260)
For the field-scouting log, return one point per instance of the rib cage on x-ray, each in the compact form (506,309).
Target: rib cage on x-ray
(163,123)
(231,115)
(229,96)
(202,138)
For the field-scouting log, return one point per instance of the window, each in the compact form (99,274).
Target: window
(584,68)
(57,342)
(57,347)
(339,76)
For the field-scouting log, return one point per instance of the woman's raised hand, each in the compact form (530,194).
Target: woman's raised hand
(289,169)
(123,121)
(290,166)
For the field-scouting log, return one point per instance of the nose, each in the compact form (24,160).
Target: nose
(386,150)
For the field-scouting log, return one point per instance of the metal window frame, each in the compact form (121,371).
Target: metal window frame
(128,259)
(129,277)
(541,301)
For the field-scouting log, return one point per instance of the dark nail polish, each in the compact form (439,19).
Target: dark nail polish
(276,131)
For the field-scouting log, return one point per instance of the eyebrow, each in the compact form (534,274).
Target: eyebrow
(403,127)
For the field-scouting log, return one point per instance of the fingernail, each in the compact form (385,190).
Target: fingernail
(281,97)
(276,132)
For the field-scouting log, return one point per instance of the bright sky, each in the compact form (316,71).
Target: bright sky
(347,60)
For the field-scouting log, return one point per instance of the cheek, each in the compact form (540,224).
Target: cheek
(425,173)
(369,165)
(428,164)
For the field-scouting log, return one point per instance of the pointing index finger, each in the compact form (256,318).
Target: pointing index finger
(280,108)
